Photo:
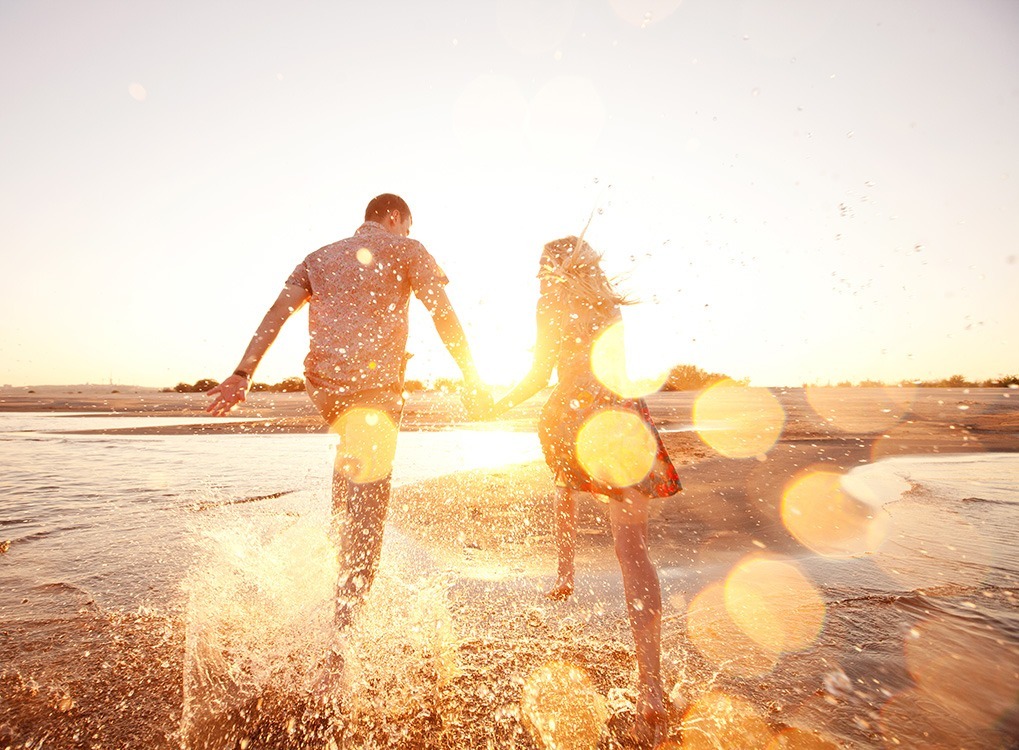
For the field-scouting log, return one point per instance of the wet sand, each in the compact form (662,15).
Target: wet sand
(494,529)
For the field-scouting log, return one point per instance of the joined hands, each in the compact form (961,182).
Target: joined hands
(478,402)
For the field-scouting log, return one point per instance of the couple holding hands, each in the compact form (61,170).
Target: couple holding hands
(359,291)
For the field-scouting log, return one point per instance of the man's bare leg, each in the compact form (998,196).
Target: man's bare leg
(360,512)
(566,543)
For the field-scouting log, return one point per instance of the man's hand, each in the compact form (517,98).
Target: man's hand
(478,401)
(228,394)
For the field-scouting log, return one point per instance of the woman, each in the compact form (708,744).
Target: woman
(595,440)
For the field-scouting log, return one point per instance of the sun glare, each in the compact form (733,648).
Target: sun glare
(620,370)
(721,639)
(717,719)
(367,443)
(562,708)
(738,421)
(616,447)
(774,604)
(823,517)
(498,361)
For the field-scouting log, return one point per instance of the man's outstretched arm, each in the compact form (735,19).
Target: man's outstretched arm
(232,391)
(447,324)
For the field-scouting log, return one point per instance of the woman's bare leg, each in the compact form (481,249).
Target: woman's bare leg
(629,518)
(566,542)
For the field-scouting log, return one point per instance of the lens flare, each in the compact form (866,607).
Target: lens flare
(137,92)
(616,447)
(861,410)
(822,516)
(561,707)
(367,443)
(720,639)
(774,604)
(610,366)
(970,672)
(718,720)
(645,13)
(738,421)
(364,256)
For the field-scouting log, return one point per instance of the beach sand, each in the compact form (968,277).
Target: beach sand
(494,528)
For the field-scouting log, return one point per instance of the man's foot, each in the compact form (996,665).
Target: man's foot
(562,590)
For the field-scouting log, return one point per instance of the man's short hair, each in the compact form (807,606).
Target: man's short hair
(380,206)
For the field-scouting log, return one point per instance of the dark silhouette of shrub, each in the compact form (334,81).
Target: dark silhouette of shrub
(692,378)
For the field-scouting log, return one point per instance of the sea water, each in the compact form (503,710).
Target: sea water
(213,555)
(226,538)
(112,514)
(951,520)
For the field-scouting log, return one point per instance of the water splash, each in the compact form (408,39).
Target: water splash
(259,623)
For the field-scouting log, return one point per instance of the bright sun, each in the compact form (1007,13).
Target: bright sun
(502,362)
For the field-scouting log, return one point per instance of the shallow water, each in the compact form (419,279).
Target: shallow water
(197,571)
(112,515)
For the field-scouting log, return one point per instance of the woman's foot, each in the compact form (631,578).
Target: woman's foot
(563,589)
(649,729)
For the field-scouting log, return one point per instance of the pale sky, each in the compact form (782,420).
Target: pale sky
(798,192)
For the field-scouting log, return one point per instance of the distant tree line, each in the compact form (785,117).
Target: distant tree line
(289,385)
(680,378)
(954,381)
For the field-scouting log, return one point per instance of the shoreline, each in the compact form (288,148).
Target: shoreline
(989,416)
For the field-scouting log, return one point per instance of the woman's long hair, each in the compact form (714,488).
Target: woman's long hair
(571,271)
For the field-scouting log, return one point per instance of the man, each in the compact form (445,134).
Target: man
(359,290)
